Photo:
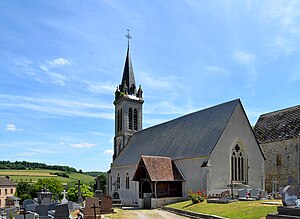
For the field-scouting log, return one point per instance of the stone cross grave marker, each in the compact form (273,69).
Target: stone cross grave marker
(80,200)
(64,199)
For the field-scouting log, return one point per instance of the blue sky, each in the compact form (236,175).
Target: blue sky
(61,60)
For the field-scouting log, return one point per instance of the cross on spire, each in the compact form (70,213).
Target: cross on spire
(128,36)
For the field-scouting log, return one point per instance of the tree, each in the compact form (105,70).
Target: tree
(24,190)
(54,185)
(85,192)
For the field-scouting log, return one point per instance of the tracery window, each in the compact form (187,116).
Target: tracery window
(119,120)
(238,164)
(118,181)
(127,181)
(135,119)
(130,118)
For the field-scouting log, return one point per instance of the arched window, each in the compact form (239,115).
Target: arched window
(121,119)
(130,118)
(118,181)
(238,164)
(127,181)
(279,159)
(135,119)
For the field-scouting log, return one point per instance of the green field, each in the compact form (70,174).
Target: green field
(235,210)
(34,175)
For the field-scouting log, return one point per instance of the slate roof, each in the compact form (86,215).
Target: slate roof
(279,125)
(128,75)
(192,135)
(159,169)
(6,182)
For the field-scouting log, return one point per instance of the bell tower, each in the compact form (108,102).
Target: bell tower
(128,106)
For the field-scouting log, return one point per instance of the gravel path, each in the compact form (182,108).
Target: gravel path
(142,214)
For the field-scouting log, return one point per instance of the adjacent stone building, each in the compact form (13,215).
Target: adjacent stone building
(205,150)
(278,134)
(7,188)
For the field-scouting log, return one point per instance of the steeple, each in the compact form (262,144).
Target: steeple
(128,76)
(128,106)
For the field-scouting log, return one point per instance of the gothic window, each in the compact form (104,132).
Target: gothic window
(118,181)
(127,181)
(5,191)
(118,120)
(121,118)
(11,191)
(130,118)
(135,119)
(238,164)
(279,159)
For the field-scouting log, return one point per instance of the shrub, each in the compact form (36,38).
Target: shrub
(196,197)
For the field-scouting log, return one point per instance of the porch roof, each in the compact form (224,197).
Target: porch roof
(158,168)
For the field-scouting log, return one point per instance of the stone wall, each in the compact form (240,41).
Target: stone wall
(282,161)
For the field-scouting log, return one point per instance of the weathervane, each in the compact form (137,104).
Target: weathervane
(128,36)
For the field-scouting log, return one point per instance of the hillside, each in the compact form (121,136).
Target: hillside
(32,171)
(34,175)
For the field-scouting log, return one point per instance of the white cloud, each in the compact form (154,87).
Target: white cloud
(105,87)
(243,57)
(11,128)
(82,145)
(157,82)
(108,152)
(59,62)
(58,107)
(55,77)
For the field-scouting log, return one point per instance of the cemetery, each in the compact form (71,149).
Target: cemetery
(45,206)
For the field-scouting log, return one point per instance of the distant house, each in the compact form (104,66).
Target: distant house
(7,189)
(205,150)
(278,134)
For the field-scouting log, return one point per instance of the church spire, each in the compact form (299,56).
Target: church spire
(128,75)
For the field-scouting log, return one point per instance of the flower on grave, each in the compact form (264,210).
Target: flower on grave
(196,197)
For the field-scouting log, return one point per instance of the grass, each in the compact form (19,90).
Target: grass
(234,210)
(34,175)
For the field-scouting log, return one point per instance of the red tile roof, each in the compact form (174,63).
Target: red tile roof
(159,168)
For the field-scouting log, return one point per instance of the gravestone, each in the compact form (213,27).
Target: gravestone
(91,208)
(51,206)
(255,193)
(76,206)
(70,206)
(44,197)
(225,193)
(27,202)
(98,191)
(80,200)
(31,207)
(64,199)
(27,216)
(61,211)
(289,195)
(106,204)
(42,211)
(11,212)
(243,193)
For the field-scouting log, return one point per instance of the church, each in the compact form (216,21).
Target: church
(206,150)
